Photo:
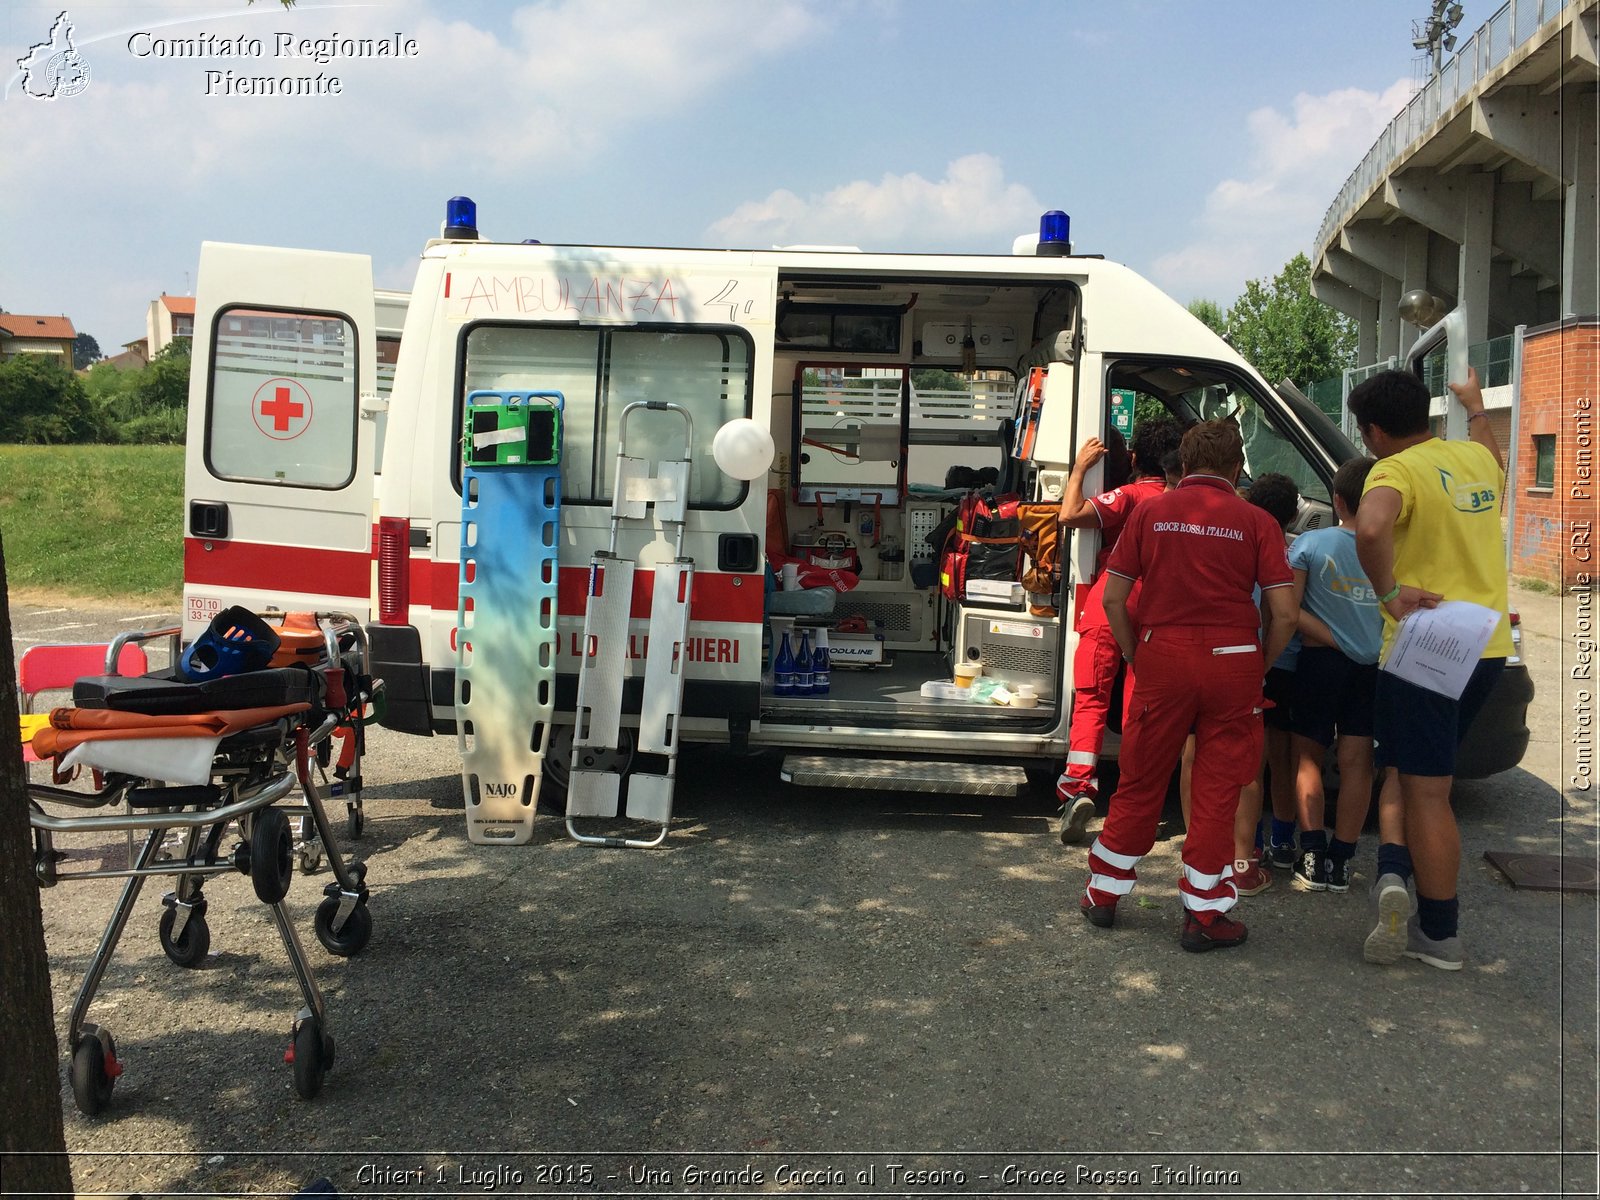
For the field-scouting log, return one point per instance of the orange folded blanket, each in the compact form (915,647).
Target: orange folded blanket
(72,726)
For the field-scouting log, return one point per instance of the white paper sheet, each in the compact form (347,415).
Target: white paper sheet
(1438,648)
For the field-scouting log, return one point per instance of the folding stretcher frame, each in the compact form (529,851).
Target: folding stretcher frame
(191,759)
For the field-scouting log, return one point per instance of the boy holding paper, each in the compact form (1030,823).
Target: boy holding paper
(1428,529)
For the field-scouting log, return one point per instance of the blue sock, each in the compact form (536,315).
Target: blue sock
(1341,851)
(1394,859)
(1313,839)
(1282,832)
(1437,917)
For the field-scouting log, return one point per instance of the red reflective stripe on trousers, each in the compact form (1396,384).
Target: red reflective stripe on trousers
(1184,687)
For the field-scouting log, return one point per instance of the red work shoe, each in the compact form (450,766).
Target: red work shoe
(1248,877)
(1101,916)
(1218,933)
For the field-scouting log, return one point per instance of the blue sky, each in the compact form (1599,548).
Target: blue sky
(1198,142)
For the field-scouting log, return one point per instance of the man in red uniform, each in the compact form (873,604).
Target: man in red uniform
(1097,660)
(1199,552)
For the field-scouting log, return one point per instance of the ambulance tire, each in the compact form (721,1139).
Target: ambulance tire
(558,766)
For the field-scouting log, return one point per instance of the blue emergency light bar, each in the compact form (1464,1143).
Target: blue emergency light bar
(1055,229)
(460,219)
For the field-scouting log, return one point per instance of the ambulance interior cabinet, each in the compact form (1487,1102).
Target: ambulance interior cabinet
(1013,647)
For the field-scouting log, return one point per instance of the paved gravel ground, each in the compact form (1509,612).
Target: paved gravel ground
(844,982)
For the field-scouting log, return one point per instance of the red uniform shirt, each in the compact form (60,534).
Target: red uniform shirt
(1113,509)
(1200,552)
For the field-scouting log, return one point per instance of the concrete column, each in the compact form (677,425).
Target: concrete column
(1367,332)
(1416,276)
(1389,318)
(1580,240)
(1473,280)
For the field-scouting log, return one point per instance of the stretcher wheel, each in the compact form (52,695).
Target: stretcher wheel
(310,858)
(194,943)
(92,1080)
(354,822)
(271,855)
(313,1057)
(352,938)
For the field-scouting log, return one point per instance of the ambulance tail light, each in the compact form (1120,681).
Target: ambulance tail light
(394,570)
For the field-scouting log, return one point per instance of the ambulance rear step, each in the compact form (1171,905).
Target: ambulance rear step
(955,778)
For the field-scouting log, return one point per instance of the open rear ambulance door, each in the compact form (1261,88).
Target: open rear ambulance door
(278,489)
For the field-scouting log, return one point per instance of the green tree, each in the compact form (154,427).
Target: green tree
(42,401)
(1287,333)
(85,350)
(1211,313)
(937,379)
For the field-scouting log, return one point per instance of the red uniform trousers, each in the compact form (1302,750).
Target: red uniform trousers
(1185,685)
(1094,676)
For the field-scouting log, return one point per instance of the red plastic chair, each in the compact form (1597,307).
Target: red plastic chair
(57,668)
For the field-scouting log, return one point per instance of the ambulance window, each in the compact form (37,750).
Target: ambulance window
(282,398)
(388,356)
(600,372)
(1266,447)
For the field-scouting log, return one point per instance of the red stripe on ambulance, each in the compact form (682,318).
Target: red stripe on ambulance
(263,567)
(739,599)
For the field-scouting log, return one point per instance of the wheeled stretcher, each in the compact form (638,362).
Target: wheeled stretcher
(187,761)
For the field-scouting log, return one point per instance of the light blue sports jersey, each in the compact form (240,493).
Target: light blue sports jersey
(1337,591)
(1290,657)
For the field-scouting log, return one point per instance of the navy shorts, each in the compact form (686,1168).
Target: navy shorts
(1331,692)
(1418,730)
(1279,688)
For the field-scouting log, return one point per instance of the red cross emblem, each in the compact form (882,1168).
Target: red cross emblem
(281,409)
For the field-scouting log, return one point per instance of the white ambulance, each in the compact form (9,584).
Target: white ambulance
(881,378)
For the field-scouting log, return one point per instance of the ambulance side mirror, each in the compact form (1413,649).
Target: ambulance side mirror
(743,449)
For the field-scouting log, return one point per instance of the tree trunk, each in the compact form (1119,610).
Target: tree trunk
(30,1084)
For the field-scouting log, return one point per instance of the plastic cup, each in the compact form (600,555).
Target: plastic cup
(791,577)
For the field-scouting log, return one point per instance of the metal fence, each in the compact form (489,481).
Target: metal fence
(1515,23)
(1492,360)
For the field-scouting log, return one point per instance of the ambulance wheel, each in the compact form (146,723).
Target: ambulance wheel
(354,823)
(271,855)
(313,1057)
(191,946)
(92,1080)
(558,765)
(352,938)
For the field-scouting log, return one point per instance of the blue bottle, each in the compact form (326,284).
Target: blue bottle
(821,666)
(802,666)
(783,669)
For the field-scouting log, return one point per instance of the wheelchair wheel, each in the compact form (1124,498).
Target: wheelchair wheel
(352,938)
(271,855)
(195,941)
(313,1057)
(92,1080)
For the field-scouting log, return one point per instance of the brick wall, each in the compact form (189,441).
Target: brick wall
(1553,538)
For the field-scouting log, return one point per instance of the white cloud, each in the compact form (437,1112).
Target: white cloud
(1251,226)
(552,92)
(973,203)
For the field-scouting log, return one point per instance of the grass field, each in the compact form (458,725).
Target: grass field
(98,522)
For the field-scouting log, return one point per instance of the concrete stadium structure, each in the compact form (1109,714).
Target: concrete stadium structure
(1482,191)
(1485,192)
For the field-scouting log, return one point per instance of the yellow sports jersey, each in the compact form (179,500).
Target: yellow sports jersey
(1447,537)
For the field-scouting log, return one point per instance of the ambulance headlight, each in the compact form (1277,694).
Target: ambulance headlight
(743,449)
(460,219)
(1055,233)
